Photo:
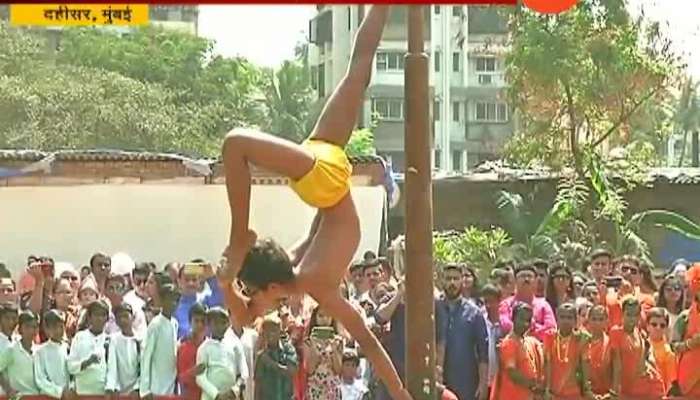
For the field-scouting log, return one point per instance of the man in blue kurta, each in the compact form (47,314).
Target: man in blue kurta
(196,286)
(466,340)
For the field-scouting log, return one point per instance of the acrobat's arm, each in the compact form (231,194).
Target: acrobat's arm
(297,252)
(242,311)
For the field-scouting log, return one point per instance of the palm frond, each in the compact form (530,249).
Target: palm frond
(511,207)
(670,220)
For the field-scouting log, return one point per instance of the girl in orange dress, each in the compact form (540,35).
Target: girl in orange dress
(634,370)
(597,353)
(521,361)
(666,362)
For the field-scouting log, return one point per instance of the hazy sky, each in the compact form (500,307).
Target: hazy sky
(266,35)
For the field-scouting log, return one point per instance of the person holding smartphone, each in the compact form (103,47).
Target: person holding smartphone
(323,353)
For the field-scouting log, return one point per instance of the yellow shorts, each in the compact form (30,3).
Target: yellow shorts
(329,179)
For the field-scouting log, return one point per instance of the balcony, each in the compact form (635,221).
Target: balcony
(484,20)
(321,27)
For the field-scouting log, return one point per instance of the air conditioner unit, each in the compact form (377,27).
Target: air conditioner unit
(485,79)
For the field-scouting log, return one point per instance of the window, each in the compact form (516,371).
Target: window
(457,160)
(390,61)
(485,64)
(455,62)
(437,158)
(437,10)
(436,111)
(456,11)
(437,61)
(349,19)
(391,109)
(314,76)
(455,111)
(491,112)
(382,61)
(321,80)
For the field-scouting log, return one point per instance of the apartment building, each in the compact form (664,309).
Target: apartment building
(466,46)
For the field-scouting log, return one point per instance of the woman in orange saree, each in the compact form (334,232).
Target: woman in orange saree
(564,357)
(598,352)
(521,362)
(634,371)
(688,331)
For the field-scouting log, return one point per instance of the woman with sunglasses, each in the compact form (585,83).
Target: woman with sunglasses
(560,286)
(671,297)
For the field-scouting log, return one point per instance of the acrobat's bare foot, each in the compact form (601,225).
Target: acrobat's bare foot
(234,254)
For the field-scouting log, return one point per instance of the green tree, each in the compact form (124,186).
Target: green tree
(687,114)
(476,247)
(361,143)
(179,61)
(579,78)
(48,106)
(288,99)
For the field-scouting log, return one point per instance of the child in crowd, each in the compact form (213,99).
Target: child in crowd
(123,355)
(598,351)
(88,291)
(187,368)
(352,387)
(64,299)
(225,368)
(492,299)
(666,362)
(635,373)
(51,360)
(564,356)
(276,364)
(8,323)
(520,373)
(87,358)
(17,362)
(159,362)
(249,341)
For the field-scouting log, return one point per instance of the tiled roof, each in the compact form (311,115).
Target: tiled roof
(118,155)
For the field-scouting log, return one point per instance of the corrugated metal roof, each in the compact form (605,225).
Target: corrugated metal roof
(119,155)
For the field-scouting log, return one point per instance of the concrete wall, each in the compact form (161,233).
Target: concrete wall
(152,222)
(458,203)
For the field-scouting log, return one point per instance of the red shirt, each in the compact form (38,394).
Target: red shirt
(186,360)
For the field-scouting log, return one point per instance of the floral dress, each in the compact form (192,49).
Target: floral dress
(323,382)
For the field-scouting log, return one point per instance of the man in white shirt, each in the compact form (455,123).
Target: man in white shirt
(225,366)
(114,290)
(353,387)
(159,361)
(87,360)
(123,355)
(17,362)
(8,323)
(138,296)
(50,359)
(249,341)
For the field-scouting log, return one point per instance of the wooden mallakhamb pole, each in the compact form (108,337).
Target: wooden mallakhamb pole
(420,321)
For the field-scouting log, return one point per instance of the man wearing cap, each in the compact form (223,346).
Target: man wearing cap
(226,370)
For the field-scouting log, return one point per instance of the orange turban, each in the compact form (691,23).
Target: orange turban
(692,277)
